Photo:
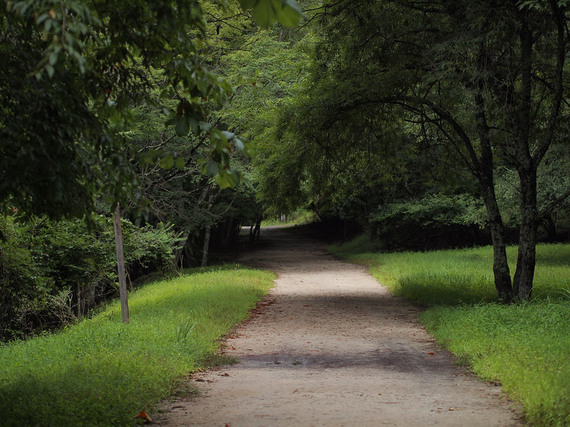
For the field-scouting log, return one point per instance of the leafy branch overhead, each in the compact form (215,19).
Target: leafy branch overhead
(72,72)
(266,12)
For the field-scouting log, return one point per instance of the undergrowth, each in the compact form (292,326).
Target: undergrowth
(525,347)
(103,372)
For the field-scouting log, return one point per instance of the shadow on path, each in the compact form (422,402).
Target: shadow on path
(332,347)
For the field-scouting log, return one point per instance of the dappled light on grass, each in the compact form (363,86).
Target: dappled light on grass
(102,372)
(451,277)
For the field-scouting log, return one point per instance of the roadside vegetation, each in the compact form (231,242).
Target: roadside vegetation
(299,217)
(525,346)
(104,372)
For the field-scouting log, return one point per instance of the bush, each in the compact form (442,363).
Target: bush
(434,222)
(55,272)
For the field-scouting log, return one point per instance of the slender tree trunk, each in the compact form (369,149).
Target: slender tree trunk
(501,269)
(206,247)
(121,265)
(526,258)
(78,308)
(484,172)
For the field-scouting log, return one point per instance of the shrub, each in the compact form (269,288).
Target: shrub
(54,272)
(434,222)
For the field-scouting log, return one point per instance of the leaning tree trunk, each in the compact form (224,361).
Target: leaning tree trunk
(526,258)
(500,263)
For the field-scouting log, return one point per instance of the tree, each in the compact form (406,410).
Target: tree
(484,78)
(72,72)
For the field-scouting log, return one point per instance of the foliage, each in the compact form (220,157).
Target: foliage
(72,72)
(553,182)
(435,221)
(449,91)
(103,372)
(55,272)
(299,217)
(266,70)
(433,211)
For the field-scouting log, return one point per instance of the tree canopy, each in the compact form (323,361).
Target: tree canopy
(439,96)
(72,73)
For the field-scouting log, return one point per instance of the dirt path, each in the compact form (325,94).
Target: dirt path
(334,348)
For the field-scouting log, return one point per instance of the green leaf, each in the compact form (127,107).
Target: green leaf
(212,168)
(193,124)
(239,144)
(180,163)
(248,4)
(228,135)
(167,161)
(290,15)
(228,179)
(205,126)
(263,13)
(182,126)
(151,156)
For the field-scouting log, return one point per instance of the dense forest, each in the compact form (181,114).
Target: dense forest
(432,124)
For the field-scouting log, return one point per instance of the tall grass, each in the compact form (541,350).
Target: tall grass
(461,275)
(103,372)
(526,346)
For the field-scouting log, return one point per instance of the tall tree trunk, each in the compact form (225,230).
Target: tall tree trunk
(484,172)
(526,258)
(501,269)
(206,246)
(121,265)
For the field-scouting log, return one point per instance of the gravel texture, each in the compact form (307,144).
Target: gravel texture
(329,346)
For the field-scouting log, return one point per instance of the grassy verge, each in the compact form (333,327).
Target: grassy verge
(525,347)
(102,372)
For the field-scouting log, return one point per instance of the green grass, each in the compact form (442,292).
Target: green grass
(103,372)
(299,217)
(525,347)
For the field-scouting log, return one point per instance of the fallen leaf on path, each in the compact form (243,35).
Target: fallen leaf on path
(144,416)
(452,409)
(431,353)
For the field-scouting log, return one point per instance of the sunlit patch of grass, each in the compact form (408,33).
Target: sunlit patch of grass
(460,276)
(102,372)
(525,347)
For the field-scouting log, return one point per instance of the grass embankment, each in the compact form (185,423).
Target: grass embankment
(103,372)
(525,347)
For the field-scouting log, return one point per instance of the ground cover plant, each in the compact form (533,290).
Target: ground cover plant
(103,372)
(525,347)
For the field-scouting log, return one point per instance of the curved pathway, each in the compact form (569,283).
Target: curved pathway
(331,347)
